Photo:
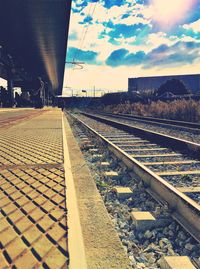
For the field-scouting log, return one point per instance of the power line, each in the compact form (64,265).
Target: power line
(82,34)
(88,26)
(86,31)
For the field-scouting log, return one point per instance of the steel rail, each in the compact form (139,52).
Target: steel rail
(165,122)
(183,209)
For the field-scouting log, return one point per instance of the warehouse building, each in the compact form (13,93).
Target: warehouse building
(192,82)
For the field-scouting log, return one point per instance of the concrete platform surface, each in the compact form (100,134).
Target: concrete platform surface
(33,217)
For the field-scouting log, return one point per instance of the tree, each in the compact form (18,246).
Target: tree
(175,86)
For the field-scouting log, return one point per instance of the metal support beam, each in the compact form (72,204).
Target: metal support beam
(10,90)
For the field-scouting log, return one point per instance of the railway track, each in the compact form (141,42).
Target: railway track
(147,248)
(175,142)
(182,132)
(169,176)
(188,126)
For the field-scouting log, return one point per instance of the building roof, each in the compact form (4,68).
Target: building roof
(168,76)
(34,33)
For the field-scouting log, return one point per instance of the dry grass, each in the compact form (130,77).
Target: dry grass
(186,110)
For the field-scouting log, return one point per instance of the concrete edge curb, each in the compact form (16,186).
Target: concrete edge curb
(75,238)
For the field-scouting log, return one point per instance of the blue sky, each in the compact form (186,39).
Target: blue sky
(118,39)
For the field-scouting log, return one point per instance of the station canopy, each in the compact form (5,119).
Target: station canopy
(34,33)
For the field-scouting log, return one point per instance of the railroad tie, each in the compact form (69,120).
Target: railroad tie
(105,164)
(169,162)
(97,157)
(189,189)
(156,155)
(128,145)
(143,219)
(93,150)
(111,174)
(146,149)
(176,262)
(137,141)
(176,173)
(123,192)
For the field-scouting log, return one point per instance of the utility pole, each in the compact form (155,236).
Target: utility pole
(94,92)
(44,96)
(47,97)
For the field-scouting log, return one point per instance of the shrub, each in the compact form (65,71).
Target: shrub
(186,110)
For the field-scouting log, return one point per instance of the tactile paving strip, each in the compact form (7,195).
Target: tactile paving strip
(31,146)
(33,225)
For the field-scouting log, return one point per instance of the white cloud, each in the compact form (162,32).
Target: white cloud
(129,40)
(188,39)
(195,26)
(159,38)
(147,11)
(114,13)
(100,16)
(134,20)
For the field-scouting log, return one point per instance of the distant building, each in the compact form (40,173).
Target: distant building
(192,82)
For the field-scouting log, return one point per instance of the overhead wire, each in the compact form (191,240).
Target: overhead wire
(83,31)
(86,30)
(82,39)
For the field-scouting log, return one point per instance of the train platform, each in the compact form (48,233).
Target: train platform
(51,214)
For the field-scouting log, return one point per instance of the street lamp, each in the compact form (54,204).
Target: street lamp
(85,92)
